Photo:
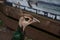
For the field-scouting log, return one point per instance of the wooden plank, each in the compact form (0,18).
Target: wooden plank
(9,22)
(10,11)
(5,35)
(38,35)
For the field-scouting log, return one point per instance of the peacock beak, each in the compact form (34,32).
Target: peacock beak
(36,20)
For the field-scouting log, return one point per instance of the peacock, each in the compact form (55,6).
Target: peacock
(24,21)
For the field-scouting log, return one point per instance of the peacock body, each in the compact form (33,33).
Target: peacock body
(18,34)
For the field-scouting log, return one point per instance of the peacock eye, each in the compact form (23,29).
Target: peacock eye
(26,19)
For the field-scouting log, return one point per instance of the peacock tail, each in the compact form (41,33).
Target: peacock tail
(18,34)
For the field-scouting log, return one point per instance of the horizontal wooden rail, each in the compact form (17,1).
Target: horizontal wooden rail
(14,27)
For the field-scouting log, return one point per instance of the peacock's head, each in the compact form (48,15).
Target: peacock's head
(27,19)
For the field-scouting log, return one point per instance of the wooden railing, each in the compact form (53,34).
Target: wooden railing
(47,25)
